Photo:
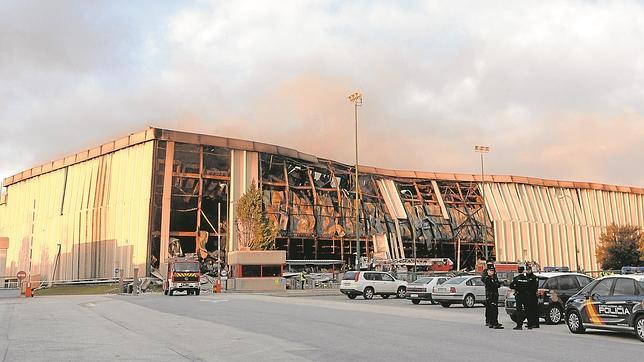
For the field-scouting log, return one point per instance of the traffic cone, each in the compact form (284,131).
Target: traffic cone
(28,293)
(218,286)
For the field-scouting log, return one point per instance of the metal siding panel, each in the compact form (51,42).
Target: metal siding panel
(525,202)
(437,192)
(76,228)
(504,213)
(518,203)
(501,244)
(535,204)
(491,203)
(556,206)
(510,198)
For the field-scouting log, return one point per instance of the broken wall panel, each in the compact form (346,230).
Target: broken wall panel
(301,213)
(199,196)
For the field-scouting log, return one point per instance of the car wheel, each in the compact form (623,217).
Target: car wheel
(639,327)
(553,314)
(415,301)
(368,293)
(401,292)
(188,292)
(573,320)
(197,292)
(445,304)
(351,296)
(469,301)
(171,292)
(385,296)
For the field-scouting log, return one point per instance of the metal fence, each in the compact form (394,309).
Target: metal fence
(9,283)
(9,287)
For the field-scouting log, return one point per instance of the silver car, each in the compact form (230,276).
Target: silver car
(467,290)
(421,289)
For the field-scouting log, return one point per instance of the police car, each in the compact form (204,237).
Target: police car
(614,302)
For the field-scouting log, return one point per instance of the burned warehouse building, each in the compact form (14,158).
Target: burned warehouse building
(133,202)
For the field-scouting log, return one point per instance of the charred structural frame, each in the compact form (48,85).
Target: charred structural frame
(312,205)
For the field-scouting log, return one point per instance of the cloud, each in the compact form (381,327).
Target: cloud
(556,88)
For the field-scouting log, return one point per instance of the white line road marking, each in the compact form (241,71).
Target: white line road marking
(213,301)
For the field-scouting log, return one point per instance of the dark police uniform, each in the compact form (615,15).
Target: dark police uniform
(520,286)
(530,301)
(492,286)
(489,265)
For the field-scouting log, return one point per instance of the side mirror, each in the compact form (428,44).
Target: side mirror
(594,296)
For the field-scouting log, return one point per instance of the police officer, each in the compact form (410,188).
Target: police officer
(520,286)
(530,301)
(302,279)
(489,265)
(492,286)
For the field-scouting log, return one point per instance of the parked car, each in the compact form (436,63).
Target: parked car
(615,302)
(468,290)
(553,293)
(370,283)
(421,289)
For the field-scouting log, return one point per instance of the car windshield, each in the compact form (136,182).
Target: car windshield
(186,266)
(587,288)
(457,280)
(542,281)
(422,281)
(349,276)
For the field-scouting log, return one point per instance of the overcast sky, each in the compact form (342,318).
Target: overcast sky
(556,88)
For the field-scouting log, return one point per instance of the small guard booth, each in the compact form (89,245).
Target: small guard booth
(257,270)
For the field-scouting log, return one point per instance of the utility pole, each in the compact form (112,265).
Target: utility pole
(219,240)
(482,150)
(356,99)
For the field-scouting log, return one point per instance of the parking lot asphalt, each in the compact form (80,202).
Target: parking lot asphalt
(242,327)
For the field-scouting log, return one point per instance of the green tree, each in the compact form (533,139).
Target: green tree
(256,231)
(621,246)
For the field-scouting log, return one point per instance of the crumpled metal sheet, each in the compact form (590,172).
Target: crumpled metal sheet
(275,206)
(327,216)
(302,217)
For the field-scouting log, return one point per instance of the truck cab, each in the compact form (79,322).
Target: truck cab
(183,275)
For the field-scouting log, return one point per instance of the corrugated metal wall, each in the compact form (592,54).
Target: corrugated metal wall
(97,210)
(244,172)
(534,223)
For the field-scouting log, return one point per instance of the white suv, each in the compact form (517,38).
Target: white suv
(370,283)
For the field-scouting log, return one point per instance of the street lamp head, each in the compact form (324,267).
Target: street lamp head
(356,97)
(482,149)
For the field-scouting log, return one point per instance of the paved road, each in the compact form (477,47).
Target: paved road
(243,327)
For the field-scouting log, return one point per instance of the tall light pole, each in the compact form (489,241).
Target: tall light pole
(483,150)
(356,99)
(562,196)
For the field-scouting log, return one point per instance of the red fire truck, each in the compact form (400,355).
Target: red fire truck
(505,270)
(183,275)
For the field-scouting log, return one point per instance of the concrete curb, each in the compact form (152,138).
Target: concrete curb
(308,293)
